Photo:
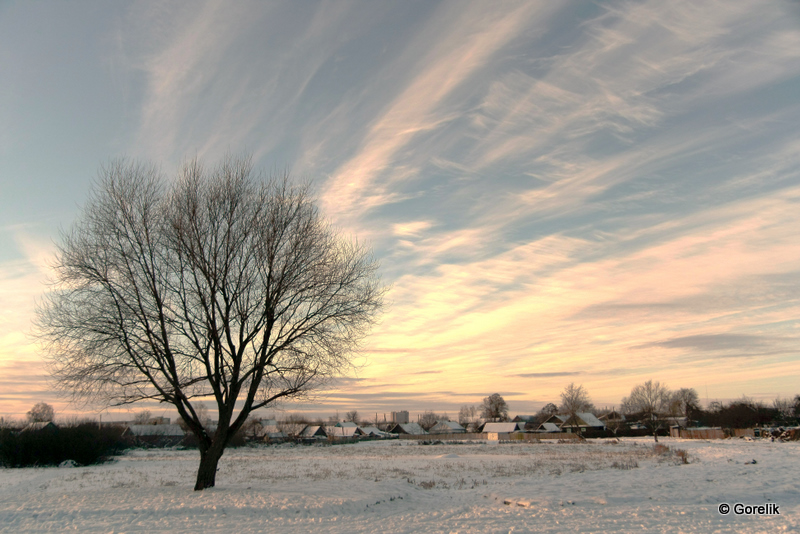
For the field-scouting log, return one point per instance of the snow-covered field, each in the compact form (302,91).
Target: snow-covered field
(401,486)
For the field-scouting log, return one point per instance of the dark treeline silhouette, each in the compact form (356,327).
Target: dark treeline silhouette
(84,443)
(744,413)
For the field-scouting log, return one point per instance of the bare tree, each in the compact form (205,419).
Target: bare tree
(494,408)
(41,413)
(650,401)
(142,418)
(253,429)
(683,402)
(784,408)
(467,415)
(221,285)
(352,416)
(292,424)
(428,419)
(575,399)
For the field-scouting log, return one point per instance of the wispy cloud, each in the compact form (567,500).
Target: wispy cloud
(468,37)
(717,342)
(597,192)
(524,313)
(556,374)
(411,229)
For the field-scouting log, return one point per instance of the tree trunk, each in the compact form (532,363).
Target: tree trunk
(207,472)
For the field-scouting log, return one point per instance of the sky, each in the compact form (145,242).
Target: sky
(599,193)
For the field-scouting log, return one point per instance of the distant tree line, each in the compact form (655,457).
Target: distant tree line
(650,404)
(747,413)
(83,443)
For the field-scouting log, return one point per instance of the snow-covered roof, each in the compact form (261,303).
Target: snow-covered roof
(346,424)
(156,430)
(39,425)
(447,426)
(345,431)
(582,420)
(270,429)
(372,431)
(550,427)
(590,419)
(556,419)
(311,431)
(409,428)
(500,427)
(525,418)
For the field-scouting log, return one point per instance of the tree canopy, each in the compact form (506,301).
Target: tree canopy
(41,413)
(494,408)
(575,399)
(223,284)
(651,402)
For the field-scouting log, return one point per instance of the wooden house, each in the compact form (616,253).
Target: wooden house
(447,427)
(407,428)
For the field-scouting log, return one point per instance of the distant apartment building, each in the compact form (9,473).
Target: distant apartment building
(400,417)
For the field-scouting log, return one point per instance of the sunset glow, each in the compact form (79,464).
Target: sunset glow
(557,191)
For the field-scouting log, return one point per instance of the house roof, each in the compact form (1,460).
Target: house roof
(583,420)
(550,427)
(270,429)
(346,424)
(372,430)
(345,431)
(525,419)
(408,428)
(311,431)
(500,427)
(556,419)
(39,425)
(590,419)
(447,426)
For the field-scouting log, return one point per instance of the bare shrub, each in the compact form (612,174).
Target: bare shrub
(625,464)
(680,456)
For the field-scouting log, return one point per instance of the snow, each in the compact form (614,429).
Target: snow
(401,486)
(501,428)
(156,430)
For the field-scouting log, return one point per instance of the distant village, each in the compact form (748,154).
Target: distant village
(677,414)
(160,431)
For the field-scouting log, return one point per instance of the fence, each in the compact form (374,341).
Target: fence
(483,436)
(698,433)
(463,436)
